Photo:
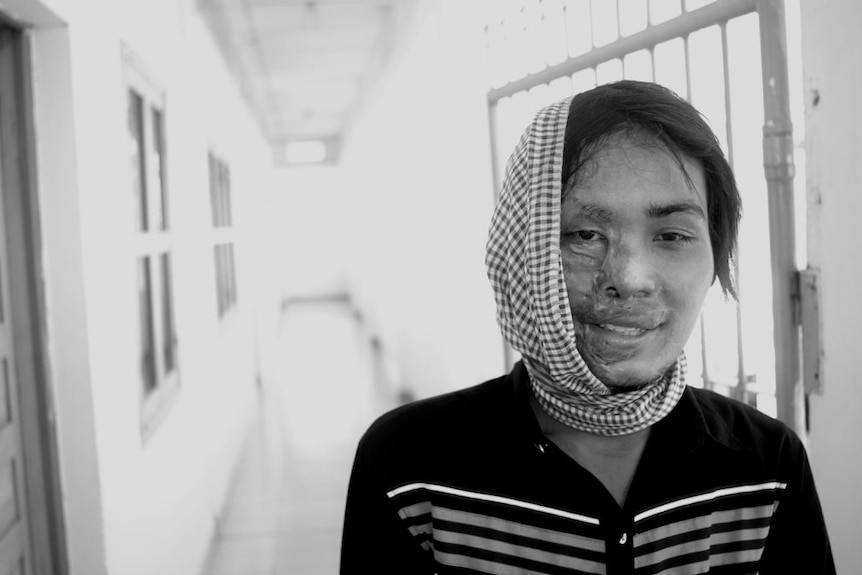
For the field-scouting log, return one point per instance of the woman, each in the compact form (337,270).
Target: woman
(618,212)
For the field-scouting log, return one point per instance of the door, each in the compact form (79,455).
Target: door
(14,525)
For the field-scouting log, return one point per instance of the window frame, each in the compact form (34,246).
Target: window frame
(152,245)
(223,235)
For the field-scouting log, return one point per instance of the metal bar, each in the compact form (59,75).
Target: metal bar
(704,373)
(728,122)
(619,29)
(508,360)
(686,23)
(778,165)
(687,56)
(495,161)
(652,62)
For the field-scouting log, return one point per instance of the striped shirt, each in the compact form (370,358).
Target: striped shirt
(467,483)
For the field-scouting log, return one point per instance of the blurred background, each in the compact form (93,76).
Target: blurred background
(237,231)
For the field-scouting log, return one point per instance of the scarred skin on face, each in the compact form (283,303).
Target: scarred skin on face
(637,258)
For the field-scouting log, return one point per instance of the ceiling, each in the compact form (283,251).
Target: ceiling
(304,66)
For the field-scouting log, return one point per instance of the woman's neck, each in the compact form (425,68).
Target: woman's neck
(613,460)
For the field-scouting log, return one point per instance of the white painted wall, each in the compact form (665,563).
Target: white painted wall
(134,506)
(309,231)
(417,172)
(832,49)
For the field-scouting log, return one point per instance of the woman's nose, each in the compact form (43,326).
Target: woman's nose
(628,272)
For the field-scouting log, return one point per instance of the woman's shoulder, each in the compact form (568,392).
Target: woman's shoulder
(743,425)
(438,417)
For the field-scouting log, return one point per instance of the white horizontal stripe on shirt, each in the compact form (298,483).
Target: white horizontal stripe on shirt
(492,499)
(723,492)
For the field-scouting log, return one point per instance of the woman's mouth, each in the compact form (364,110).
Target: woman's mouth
(623,330)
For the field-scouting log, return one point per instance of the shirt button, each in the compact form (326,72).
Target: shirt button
(624,538)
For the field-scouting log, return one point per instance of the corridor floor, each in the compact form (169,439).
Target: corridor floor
(285,510)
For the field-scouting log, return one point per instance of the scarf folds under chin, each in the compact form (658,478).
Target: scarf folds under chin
(526,272)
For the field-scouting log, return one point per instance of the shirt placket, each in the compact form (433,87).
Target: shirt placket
(618,530)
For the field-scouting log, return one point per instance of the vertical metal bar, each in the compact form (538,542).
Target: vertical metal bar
(778,165)
(620,29)
(704,374)
(687,67)
(740,391)
(496,182)
(707,382)
(652,62)
(725,60)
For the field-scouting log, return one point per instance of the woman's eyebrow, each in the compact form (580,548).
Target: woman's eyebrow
(595,213)
(662,210)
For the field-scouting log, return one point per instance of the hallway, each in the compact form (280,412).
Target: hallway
(285,510)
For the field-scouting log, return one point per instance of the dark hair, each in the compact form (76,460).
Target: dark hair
(642,108)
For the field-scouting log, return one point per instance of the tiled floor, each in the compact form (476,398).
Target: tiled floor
(285,511)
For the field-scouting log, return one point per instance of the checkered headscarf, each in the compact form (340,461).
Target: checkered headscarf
(526,272)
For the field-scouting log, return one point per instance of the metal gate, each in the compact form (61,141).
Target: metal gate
(728,58)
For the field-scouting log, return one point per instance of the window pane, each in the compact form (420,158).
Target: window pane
(515,43)
(231,276)
(706,63)
(633,16)
(583,80)
(638,66)
(137,165)
(169,335)
(496,44)
(695,4)
(227,219)
(753,257)
(669,62)
(534,40)
(219,195)
(211,161)
(225,275)
(560,88)
(147,335)
(159,192)
(610,71)
(663,10)
(605,27)
(539,96)
(221,279)
(554,32)
(578,23)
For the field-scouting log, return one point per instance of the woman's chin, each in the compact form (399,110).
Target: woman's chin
(626,376)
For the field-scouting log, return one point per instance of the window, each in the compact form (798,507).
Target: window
(150,224)
(706,51)
(222,221)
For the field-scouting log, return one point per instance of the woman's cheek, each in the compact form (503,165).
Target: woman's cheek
(581,296)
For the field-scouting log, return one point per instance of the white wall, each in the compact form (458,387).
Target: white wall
(832,50)
(308,222)
(136,506)
(418,176)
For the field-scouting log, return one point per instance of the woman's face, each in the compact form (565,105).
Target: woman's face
(637,259)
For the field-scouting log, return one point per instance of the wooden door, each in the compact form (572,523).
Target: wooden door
(14,525)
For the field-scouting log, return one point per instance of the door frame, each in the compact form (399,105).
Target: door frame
(28,309)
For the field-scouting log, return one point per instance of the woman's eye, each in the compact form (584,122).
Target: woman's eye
(586,236)
(673,237)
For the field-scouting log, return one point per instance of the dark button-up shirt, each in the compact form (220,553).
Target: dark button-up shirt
(467,483)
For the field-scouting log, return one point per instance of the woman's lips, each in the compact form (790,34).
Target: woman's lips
(623,330)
